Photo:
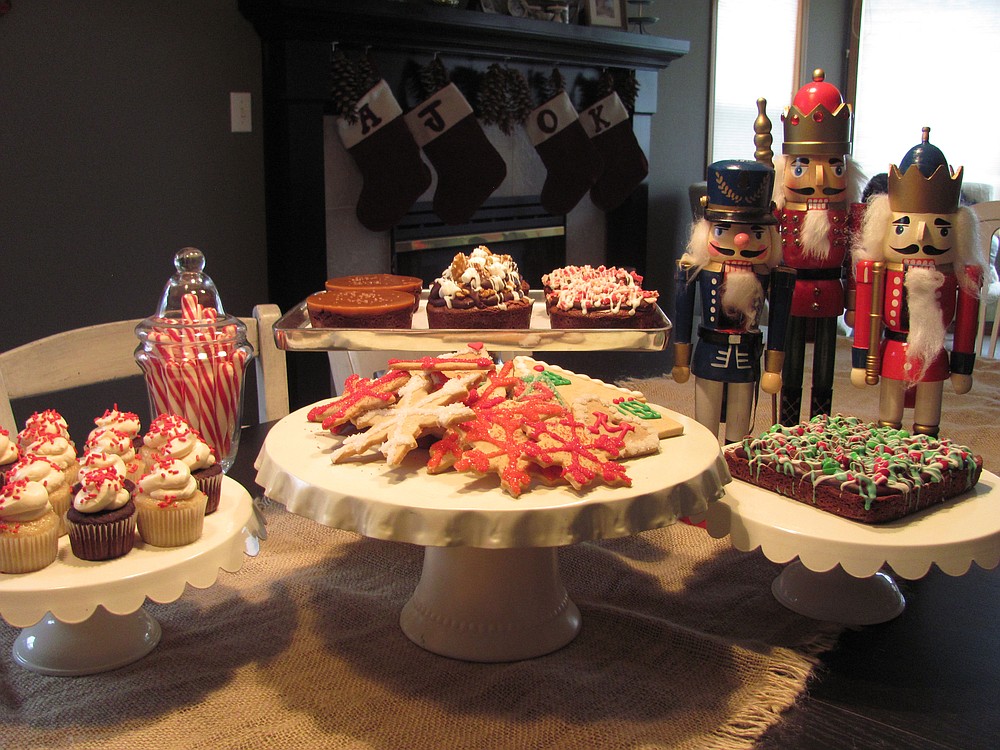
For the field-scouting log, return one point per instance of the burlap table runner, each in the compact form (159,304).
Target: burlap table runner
(682,646)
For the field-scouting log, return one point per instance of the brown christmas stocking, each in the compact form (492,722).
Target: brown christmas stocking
(393,173)
(625,166)
(572,161)
(468,168)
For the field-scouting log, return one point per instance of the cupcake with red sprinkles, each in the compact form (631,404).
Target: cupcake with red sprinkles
(161,430)
(29,530)
(8,453)
(200,460)
(101,521)
(51,477)
(169,506)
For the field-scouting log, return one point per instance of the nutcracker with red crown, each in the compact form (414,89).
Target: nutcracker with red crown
(731,262)
(918,270)
(817,193)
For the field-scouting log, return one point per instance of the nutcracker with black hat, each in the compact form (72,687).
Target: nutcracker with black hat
(919,269)
(817,193)
(731,262)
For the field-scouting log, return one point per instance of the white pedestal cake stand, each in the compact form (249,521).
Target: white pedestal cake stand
(490,589)
(83,617)
(838,574)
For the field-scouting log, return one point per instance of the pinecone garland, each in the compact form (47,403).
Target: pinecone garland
(349,81)
(504,98)
(433,77)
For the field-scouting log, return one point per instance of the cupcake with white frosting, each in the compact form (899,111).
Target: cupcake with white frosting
(169,506)
(200,460)
(58,449)
(51,477)
(9,453)
(109,440)
(126,422)
(101,521)
(47,422)
(29,530)
(161,430)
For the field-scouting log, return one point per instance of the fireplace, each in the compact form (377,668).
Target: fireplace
(312,184)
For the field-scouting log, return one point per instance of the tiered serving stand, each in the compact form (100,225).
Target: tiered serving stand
(83,617)
(836,569)
(490,588)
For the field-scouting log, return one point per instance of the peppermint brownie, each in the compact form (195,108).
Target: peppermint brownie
(855,469)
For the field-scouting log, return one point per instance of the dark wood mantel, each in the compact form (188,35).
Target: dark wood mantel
(420,27)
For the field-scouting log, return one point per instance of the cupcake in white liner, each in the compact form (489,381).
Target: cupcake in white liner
(161,429)
(101,521)
(29,530)
(169,505)
(109,440)
(200,460)
(51,477)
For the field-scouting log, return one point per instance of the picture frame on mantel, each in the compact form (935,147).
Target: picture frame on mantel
(606,13)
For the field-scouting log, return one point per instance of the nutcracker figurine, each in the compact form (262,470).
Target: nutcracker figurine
(732,260)
(918,270)
(817,189)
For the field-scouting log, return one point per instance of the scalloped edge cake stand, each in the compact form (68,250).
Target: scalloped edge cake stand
(838,575)
(490,589)
(82,617)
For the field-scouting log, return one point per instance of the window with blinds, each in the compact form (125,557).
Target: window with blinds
(755,56)
(924,62)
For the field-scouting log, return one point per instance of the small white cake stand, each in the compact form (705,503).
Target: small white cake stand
(83,617)
(490,588)
(838,574)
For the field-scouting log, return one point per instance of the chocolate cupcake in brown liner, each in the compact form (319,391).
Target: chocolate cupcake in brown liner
(101,523)
(29,530)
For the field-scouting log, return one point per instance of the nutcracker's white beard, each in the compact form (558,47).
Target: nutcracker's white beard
(816,234)
(742,295)
(926,336)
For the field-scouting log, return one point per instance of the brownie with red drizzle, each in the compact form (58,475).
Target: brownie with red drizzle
(855,469)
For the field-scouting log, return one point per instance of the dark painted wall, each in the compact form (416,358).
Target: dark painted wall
(116,151)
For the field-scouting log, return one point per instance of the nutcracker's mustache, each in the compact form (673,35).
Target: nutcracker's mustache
(927,250)
(811,191)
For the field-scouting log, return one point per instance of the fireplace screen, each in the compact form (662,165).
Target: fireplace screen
(423,245)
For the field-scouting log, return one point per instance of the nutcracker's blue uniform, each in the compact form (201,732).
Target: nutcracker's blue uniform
(728,351)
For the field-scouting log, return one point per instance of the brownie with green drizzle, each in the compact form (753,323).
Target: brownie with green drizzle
(855,469)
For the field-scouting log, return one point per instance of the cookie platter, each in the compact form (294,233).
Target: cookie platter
(293,332)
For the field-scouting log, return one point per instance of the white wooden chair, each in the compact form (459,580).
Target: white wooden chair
(104,352)
(988,213)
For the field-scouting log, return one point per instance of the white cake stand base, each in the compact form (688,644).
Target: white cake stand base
(490,589)
(65,649)
(83,617)
(838,596)
(490,605)
(835,569)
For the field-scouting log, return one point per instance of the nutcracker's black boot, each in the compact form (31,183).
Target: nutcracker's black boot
(791,406)
(820,402)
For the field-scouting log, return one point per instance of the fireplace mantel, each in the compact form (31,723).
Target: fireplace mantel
(296,38)
(420,27)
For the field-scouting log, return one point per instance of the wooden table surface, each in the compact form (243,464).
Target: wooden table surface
(928,679)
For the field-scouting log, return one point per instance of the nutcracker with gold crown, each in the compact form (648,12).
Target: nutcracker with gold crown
(918,270)
(817,193)
(731,261)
